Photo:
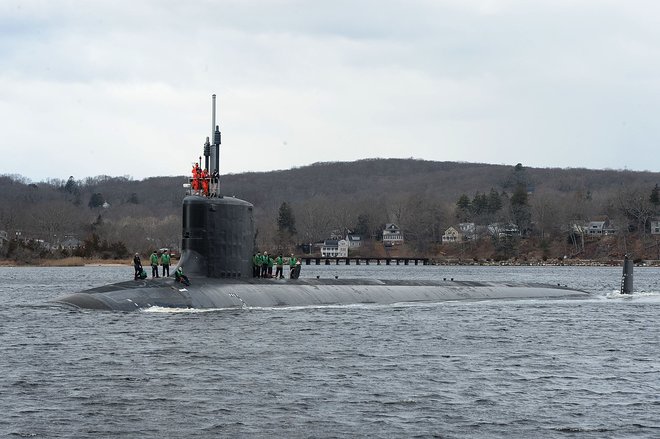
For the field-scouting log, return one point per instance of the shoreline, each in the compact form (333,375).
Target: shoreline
(82,262)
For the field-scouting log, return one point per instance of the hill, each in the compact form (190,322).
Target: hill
(421,196)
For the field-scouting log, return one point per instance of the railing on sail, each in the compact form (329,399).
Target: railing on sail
(204,187)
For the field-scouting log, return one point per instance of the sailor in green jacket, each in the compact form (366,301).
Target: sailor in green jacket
(279,263)
(292,265)
(256,264)
(165,262)
(154,264)
(270,263)
(180,277)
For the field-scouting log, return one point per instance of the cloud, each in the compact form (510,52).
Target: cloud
(123,88)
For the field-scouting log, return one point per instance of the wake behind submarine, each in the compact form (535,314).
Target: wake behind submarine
(216,250)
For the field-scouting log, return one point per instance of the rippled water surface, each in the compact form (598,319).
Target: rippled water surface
(528,368)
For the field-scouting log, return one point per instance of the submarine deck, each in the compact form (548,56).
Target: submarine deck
(240,293)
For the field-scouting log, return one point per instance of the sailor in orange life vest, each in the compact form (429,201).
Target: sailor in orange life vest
(205,182)
(195,178)
(199,178)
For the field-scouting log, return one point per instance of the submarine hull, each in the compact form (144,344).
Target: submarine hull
(207,293)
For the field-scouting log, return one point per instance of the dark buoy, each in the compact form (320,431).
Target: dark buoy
(627,278)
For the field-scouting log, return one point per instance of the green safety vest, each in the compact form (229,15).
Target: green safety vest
(165,259)
(279,261)
(154,259)
(292,261)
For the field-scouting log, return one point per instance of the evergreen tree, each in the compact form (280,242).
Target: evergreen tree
(517,177)
(463,208)
(285,220)
(520,209)
(71,186)
(655,196)
(479,204)
(494,201)
(96,200)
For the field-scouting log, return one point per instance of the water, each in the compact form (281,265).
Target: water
(531,368)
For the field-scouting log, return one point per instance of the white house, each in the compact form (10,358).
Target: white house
(392,235)
(333,248)
(600,228)
(451,235)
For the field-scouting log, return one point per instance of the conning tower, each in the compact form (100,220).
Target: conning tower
(218,231)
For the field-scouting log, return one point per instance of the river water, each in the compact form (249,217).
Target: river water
(518,368)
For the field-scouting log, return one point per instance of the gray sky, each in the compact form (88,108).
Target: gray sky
(124,87)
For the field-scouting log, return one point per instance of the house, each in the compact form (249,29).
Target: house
(600,228)
(333,248)
(451,235)
(655,227)
(354,240)
(595,227)
(392,235)
(71,243)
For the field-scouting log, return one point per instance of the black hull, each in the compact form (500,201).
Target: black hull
(208,293)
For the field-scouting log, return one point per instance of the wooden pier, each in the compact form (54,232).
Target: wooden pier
(311,260)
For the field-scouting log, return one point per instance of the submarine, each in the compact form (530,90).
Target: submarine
(217,245)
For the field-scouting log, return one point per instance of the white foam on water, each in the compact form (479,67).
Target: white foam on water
(168,310)
(650,296)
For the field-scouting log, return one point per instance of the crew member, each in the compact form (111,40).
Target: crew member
(195,179)
(205,182)
(270,266)
(165,262)
(264,265)
(292,265)
(295,273)
(256,263)
(180,277)
(137,264)
(279,263)
(154,264)
(198,176)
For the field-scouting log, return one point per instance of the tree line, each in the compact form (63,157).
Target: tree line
(115,216)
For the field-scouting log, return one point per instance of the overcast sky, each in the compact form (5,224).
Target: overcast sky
(124,87)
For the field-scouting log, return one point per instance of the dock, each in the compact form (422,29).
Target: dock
(313,260)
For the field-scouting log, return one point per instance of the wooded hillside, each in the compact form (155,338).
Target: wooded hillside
(118,215)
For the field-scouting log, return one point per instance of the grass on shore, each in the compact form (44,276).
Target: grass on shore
(73,261)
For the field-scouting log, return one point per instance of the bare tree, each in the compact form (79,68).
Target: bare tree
(635,204)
